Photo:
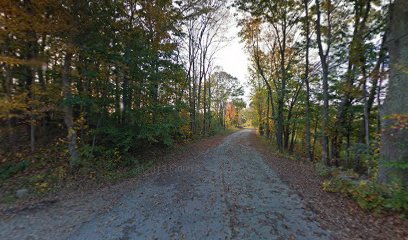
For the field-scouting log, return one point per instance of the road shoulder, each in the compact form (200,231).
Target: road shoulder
(335,212)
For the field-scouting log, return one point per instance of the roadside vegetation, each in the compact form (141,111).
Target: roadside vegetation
(328,82)
(90,89)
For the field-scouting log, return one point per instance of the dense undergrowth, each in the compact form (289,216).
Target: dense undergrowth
(368,193)
(362,186)
(48,171)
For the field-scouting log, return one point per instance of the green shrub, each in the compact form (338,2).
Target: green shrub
(322,170)
(100,158)
(370,195)
(397,199)
(10,169)
(337,185)
(158,133)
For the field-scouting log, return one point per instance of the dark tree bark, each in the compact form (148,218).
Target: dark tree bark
(10,120)
(325,78)
(394,149)
(68,112)
(307,32)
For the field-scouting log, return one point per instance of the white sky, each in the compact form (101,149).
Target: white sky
(233,58)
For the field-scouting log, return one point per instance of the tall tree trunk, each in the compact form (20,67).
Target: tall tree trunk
(348,142)
(270,102)
(209,105)
(376,75)
(362,63)
(155,94)
(118,111)
(325,68)
(366,110)
(125,96)
(293,138)
(10,120)
(29,89)
(325,122)
(307,26)
(205,108)
(193,103)
(342,113)
(268,130)
(379,100)
(281,96)
(315,136)
(40,71)
(199,90)
(68,115)
(32,134)
(366,122)
(394,149)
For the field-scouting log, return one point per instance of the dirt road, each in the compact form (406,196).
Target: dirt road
(226,191)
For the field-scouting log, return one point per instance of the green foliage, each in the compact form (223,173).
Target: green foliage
(370,195)
(7,170)
(398,165)
(122,138)
(367,195)
(336,185)
(155,133)
(322,170)
(397,199)
(102,158)
(106,81)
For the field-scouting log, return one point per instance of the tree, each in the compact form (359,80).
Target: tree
(344,82)
(205,22)
(68,118)
(394,150)
(306,77)
(225,89)
(324,54)
(276,62)
(239,105)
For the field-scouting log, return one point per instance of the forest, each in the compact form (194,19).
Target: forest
(106,79)
(320,73)
(87,86)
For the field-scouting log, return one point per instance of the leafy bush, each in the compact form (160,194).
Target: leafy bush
(158,133)
(337,185)
(322,170)
(370,195)
(397,199)
(10,169)
(101,158)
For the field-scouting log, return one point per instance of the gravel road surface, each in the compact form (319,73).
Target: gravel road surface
(226,191)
